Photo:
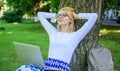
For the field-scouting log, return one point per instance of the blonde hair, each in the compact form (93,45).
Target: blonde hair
(71,14)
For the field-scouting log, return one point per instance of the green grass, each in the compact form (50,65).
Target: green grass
(110,38)
(33,33)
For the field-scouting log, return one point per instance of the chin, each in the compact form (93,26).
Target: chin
(60,24)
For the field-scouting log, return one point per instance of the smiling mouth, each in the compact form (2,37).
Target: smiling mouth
(60,20)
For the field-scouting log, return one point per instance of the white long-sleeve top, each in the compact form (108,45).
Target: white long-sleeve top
(63,44)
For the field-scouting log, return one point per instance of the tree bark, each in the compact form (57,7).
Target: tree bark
(79,59)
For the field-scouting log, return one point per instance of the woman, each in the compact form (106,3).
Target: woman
(64,39)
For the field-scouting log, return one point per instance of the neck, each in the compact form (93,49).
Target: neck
(64,28)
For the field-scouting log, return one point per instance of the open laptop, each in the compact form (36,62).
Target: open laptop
(30,54)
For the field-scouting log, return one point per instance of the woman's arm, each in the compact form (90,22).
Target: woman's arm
(43,16)
(91,19)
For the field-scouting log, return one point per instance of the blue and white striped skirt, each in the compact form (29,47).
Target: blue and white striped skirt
(57,64)
(63,66)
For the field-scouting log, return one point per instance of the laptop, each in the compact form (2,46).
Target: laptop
(31,54)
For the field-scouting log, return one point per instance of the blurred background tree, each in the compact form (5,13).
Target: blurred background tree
(29,8)
(18,8)
(1,4)
(108,4)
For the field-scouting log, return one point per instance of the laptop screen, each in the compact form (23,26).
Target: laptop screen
(29,54)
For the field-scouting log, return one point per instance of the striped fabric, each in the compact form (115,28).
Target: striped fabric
(28,68)
(63,66)
(57,64)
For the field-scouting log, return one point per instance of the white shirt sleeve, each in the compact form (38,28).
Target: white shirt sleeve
(91,19)
(43,16)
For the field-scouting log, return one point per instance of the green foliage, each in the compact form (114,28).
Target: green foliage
(111,4)
(45,8)
(1,4)
(32,6)
(12,16)
(25,5)
(54,5)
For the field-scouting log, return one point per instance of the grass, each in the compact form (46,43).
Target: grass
(27,33)
(33,33)
(110,38)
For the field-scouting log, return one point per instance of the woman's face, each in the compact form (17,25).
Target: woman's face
(63,18)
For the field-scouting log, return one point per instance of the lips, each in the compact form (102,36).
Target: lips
(60,20)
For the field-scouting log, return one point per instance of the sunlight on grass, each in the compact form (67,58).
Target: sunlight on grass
(15,23)
(107,31)
(1,32)
(9,32)
(117,31)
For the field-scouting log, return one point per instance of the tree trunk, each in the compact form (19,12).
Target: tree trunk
(79,59)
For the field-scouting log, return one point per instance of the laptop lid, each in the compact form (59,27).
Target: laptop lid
(29,54)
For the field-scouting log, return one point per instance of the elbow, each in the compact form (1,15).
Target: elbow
(39,13)
(95,15)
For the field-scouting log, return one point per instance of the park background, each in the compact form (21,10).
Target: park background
(18,22)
